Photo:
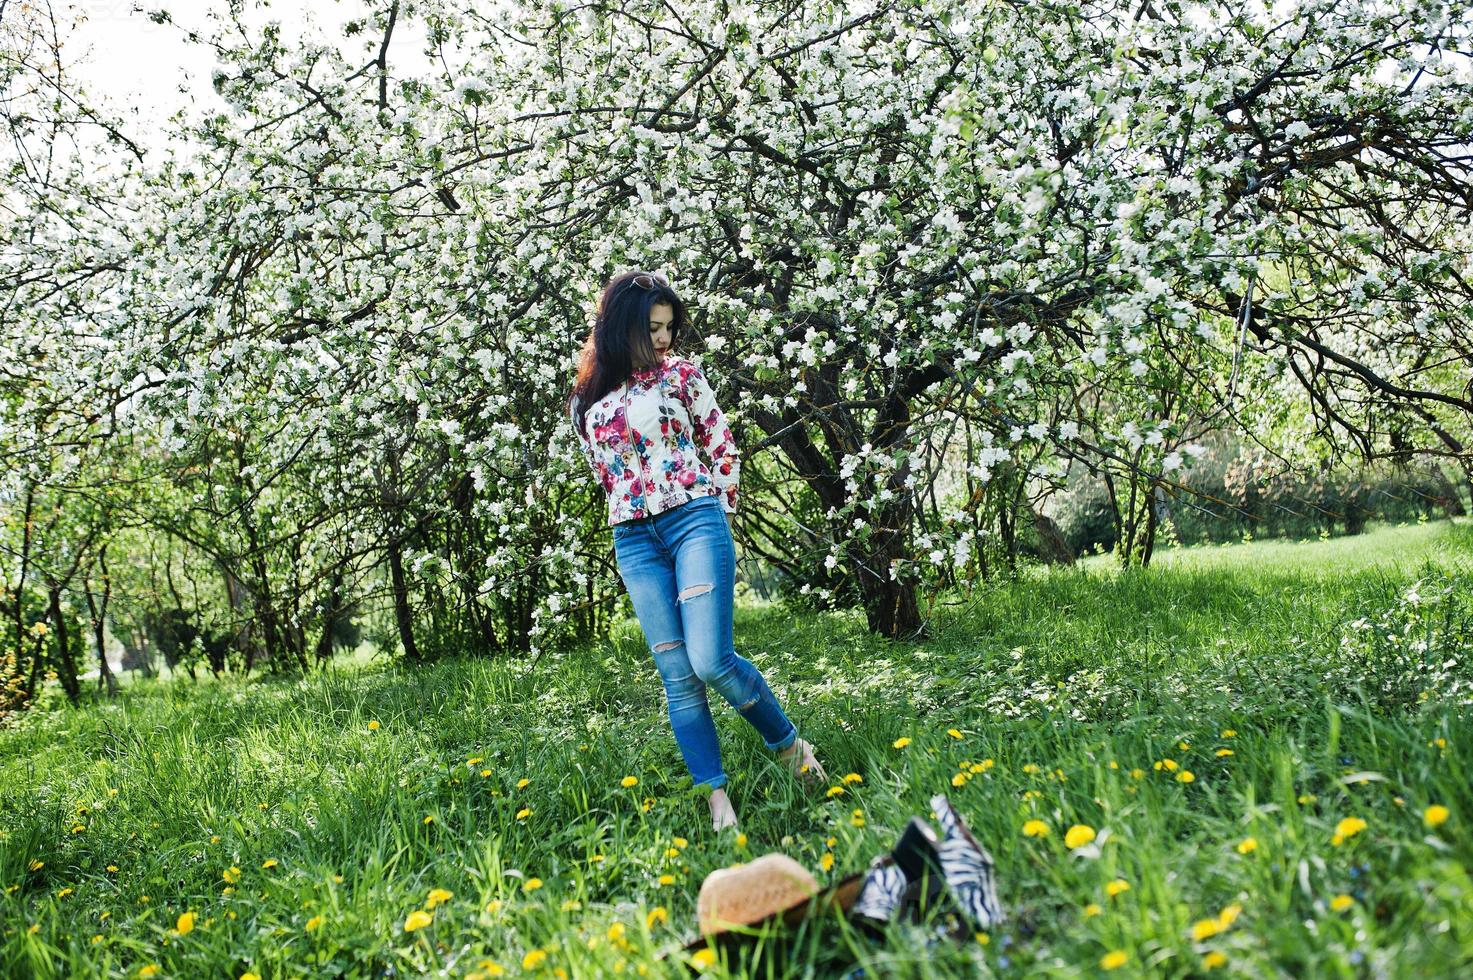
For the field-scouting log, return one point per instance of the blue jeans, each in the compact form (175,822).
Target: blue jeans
(680,569)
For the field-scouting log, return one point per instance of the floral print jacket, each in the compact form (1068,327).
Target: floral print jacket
(659,441)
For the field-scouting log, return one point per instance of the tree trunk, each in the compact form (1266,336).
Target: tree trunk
(402,614)
(65,663)
(242,639)
(1449,498)
(99,626)
(1156,512)
(18,610)
(38,658)
(1055,549)
(330,614)
(890,606)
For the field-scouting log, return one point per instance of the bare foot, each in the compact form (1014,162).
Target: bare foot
(722,814)
(800,758)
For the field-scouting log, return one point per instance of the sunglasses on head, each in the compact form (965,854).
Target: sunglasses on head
(647,280)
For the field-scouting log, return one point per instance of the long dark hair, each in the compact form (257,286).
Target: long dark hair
(620,339)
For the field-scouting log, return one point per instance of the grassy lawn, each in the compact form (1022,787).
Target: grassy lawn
(1215,720)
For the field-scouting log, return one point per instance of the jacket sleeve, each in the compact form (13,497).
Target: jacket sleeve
(713,437)
(582,442)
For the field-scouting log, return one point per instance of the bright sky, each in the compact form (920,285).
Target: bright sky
(139,66)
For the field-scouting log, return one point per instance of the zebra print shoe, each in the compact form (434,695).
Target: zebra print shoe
(909,876)
(882,893)
(967,868)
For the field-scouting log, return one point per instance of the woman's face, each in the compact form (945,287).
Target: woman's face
(662,319)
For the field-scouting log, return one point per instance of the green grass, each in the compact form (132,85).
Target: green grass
(1340,665)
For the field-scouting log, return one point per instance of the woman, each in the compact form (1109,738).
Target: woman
(661,449)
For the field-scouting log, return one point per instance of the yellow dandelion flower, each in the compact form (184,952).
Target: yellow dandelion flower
(1213,960)
(671,852)
(1229,733)
(418,919)
(741,839)
(1137,774)
(485,773)
(524,813)
(1185,776)
(901,742)
(835,791)
(314,923)
(151,970)
(438,896)
(617,931)
(35,865)
(680,842)
(953,733)
(231,874)
(666,880)
(827,861)
(373,726)
(1114,959)
(185,925)
(1247,845)
(534,959)
(1306,798)
(429,818)
(1435,815)
(657,916)
(571,905)
(268,863)
(960,779)
(1341,902)
(523,783)
(703,958)
(63,893)
(1223,753)
(1229,915)
(1035,828)
(857,818)
(531,885)
(1184,746)
(493,906)
(629,781)
(852,778)
(1091,910)
(1205,929)
(1078,835)
(1031,769)
(1113,888)
(1348,828)
(473,760)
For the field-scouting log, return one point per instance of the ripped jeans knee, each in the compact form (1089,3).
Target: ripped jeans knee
(691,591)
